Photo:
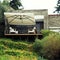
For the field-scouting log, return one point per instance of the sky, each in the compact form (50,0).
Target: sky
(40,4)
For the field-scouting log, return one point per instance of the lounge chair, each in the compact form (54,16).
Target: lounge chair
(12,30)
(33,31)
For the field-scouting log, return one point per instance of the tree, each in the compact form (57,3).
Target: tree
(2,10)
(57,7)
(15,4)
(2,23)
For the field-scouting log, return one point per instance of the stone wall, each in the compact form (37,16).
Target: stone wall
(53,20)
(38,12)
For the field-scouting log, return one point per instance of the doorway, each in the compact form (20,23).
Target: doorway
(39,26)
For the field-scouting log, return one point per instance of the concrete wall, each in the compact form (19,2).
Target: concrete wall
(38,12)
(53,20)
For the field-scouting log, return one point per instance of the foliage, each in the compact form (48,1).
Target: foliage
(6,5)
(15,4)
(1,13)
(57,7)
(8,57)
(46,32)
(41,58)
(15,45)
(13,53)
(51,47)
(2,47)
(2,21)
(15,50)
(37,46)
(4,58)
(3,7)
(2,52)
(48,47)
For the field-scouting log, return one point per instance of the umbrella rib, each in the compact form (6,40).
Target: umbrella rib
(25,17)
(11,16)
(13,19)
(29,19)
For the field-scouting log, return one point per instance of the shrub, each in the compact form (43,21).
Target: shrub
(37,46)
(48,47)
(2,52)
(11,44)
(2,47)
(46,32)
(13,53)
(3,57)
(41,58)
(51,47)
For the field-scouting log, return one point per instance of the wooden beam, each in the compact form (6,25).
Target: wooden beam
(22,34)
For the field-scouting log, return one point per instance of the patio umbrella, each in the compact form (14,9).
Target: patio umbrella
(20,18)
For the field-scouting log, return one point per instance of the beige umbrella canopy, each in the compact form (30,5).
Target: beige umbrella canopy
(20,18)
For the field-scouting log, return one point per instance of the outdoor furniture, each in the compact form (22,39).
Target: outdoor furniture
(12,31)
(33,31)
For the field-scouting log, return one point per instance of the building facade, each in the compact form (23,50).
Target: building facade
(42,13)
(41,17)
